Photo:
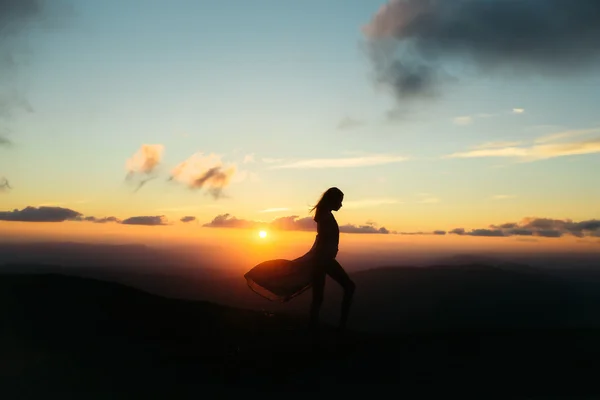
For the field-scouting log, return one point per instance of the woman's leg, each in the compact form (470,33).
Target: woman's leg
(318,290)
(337,273)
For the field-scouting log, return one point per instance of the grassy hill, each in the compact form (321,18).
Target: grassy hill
(85,338)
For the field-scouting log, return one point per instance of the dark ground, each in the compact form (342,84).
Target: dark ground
(69,337)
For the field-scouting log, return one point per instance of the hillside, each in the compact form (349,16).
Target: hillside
(92,339)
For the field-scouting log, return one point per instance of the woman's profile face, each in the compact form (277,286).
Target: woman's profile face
(337,203)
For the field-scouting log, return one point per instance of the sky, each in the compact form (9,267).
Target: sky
(235,112)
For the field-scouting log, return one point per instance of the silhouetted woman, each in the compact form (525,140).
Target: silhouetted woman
(282,280)
(324,251)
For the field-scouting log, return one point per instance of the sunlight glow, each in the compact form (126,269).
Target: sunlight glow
(262,234)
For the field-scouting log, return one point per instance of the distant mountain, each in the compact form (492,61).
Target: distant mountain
(396,299)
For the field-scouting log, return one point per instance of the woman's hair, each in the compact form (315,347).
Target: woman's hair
(327,199)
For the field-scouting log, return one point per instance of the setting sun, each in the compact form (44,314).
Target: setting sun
(262,234)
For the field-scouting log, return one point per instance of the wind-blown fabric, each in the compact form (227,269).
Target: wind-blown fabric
(281,280)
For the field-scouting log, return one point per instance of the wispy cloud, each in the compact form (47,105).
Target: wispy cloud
(469,119)
(496,145)
(503,196)
(142,166)
(4,185)
(465,120)
(347,162)
(349,123)
(544,147)
(274,210)
(554,137)
(204,172)
(146,159)
(366,203)
(427,198)
(249,158)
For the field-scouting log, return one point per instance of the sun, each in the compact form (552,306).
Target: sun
(262,234)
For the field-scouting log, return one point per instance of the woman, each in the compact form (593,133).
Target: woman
(284,279)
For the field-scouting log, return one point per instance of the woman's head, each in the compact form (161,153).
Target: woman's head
(331,200)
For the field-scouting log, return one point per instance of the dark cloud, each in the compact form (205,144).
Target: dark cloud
(229,221)
(102,220)
(412,42)
(41,214)
(188,219)
(542,227)
(146,220)
(294,223)
(4,185)
(519,231)
(289,223)
(439,232)
(18,18)
(486,232)
(4,141)
(368,228)
(349,123)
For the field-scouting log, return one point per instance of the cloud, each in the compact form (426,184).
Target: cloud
(366,203)
(496,145)
(146,220)
(367,228)
(270,160)
(142,166)
(537,152)
(40,214)
(249,158)
(545,147)
(427,198)
(565,135)
(204,172)
(188,219)
(469,119)
(541,227)
(411,41)
(102,220)
(146,159)
(486,232)
(439,232)
(229,221)
(19,18)
(466,120)
(349,123)
(347,162)
(4,185)
(288,223)
(272,210)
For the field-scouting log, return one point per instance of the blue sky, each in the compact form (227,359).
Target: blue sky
(263,80)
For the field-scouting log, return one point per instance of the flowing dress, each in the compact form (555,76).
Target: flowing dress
(281,280)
